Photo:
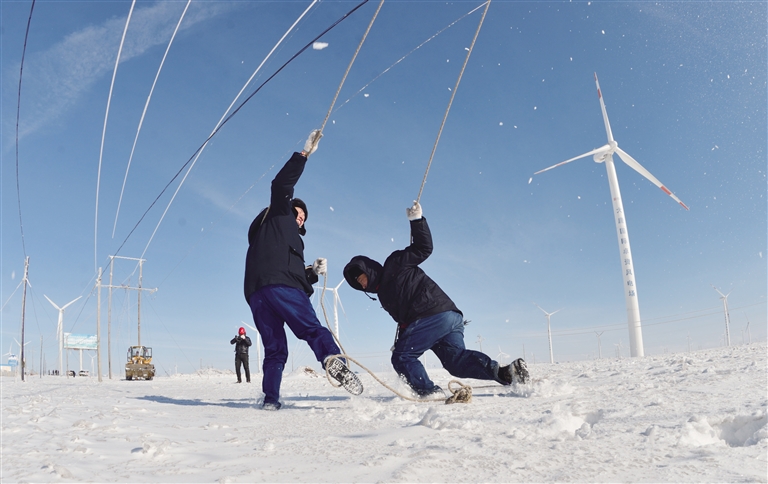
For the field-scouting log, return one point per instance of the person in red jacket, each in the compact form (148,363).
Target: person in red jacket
(278,284)
(242,342)
(426,317)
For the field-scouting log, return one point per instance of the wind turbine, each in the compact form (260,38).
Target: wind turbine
(23,359)
(724,297)
(549,333)
(501,356)
(604,154)
(60,330)
(13,360)
(336,304)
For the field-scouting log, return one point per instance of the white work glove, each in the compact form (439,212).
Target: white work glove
(414,212)
(311,144)
(320,266)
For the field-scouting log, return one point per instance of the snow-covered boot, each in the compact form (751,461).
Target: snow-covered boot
(520,371)
(342,374)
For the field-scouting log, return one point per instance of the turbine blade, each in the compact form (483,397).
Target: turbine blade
(605,113)
(52,303)
(597,150)
(639,168)
(65,306)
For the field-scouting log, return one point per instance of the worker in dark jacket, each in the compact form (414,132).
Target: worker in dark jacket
(242,342)
(426,317)
(278,284)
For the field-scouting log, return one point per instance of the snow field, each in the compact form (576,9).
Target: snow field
(675,418)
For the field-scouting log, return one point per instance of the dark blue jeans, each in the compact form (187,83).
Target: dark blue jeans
(443,333)
(273,306)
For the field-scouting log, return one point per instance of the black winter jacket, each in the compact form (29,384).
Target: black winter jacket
(242,344)
(275,248)
(405,291)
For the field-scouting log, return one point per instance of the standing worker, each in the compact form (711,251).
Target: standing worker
(278,284)
(426,317)
(242,343)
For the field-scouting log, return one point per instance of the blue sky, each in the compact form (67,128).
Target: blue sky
(685,90)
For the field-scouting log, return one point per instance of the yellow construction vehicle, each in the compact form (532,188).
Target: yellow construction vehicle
(139,363)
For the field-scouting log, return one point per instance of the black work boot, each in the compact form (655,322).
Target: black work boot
(520,371)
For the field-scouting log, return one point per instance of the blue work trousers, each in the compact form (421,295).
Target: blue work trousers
(443,333)
(272,307)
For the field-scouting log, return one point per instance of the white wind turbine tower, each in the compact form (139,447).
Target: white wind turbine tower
(724,297)
(604,154)
(336,304)
(60,330)
(549,333)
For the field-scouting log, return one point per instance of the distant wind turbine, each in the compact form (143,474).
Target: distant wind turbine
(60,330)
(549,333)
(724,297)
(336,304)
(501,356)
(604,154)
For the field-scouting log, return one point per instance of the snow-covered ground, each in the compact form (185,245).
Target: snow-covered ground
(692,417)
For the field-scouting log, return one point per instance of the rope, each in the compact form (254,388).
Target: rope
(453,94)
(463,394)
(349,67)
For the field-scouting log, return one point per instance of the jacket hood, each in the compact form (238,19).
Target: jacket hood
(361,264)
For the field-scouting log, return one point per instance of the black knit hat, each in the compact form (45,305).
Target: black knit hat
(298,202)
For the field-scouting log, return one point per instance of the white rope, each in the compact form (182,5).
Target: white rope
(144,113)
(453,94)
(349,67)
(103,133)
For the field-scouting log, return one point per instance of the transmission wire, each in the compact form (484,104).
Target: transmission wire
(18,110)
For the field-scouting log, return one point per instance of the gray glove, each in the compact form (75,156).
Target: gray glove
(414,212)
(311,144)
(320,266)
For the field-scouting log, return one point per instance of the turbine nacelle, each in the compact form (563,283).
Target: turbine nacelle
(603,153)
